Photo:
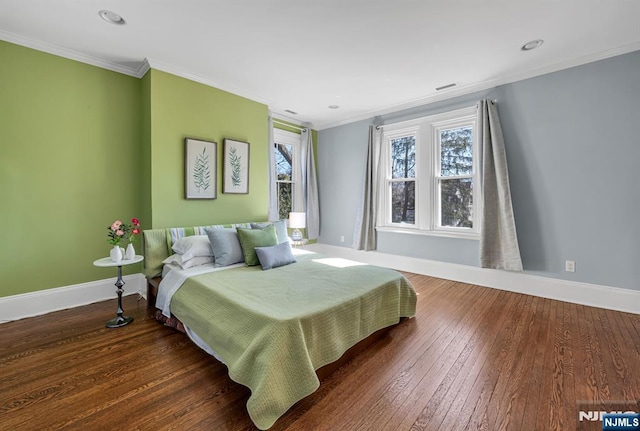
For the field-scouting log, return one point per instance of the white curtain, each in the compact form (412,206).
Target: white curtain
(364,235)
(309,184)
(272,211)
(498,239)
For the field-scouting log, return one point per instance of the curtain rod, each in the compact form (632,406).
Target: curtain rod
(293,126)
(382,126)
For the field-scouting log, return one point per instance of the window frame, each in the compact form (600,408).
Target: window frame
(387,176)
(428,205)
(286,137)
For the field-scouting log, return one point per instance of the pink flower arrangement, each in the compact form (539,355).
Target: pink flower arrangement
(119,231)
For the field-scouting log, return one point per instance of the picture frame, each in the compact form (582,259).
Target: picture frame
(200,169)
(236,167)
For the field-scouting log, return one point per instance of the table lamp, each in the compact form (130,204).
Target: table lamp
(297,221)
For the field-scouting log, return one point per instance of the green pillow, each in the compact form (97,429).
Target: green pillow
(281,229)
(252,238)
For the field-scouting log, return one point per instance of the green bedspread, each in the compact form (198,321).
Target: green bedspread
(274,328)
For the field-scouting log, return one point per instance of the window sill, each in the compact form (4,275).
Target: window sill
(441,233)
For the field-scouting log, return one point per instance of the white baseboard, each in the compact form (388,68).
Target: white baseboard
(45,301)
(31,304)
(594,295)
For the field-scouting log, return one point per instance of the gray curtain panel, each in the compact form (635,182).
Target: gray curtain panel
(498,240)
(309,184)
(272,210)
(364,235)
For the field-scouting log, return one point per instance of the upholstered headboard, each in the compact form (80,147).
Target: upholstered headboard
(158,242)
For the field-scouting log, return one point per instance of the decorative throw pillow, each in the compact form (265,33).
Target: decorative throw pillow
(275,256)
(193,246)
(252,238)
(226,246)
(281,229)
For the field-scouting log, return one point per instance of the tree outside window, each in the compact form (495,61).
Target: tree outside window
(430,182)
(286,152)
(403,172)
(456,177)
(284,170)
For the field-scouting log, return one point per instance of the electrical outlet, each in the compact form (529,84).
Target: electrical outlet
(570,266)
(341,238)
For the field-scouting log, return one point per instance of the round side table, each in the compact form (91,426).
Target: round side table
(119,320)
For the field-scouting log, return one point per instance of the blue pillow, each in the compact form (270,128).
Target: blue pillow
(275,256)
(225,246)
(281,229)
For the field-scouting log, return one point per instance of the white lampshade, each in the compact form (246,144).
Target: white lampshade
(297,220)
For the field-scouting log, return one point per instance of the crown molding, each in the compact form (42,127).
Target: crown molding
(484,85)
(146,64)
(67,53)
(278,115)
(143,69)
(183,73)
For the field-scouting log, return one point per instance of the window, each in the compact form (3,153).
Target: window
(286,148)
(403,179)
(430,177)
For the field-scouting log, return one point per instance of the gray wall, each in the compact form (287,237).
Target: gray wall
(573,150)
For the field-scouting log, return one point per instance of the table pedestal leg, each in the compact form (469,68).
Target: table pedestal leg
(119,320)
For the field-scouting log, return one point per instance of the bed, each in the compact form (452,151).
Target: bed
(274,328)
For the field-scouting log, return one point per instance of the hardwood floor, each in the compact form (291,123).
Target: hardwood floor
(473,358)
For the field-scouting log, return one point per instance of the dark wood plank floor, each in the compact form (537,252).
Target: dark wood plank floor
(473,358)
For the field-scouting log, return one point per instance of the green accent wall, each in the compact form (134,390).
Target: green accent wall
(82,146)
(70,164)
(181,108)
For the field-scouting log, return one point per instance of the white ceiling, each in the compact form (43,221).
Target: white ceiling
(369,57)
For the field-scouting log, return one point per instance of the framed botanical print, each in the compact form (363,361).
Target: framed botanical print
(200,169)
(236,167)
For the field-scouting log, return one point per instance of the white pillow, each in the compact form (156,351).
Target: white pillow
(193,246)
(176,259)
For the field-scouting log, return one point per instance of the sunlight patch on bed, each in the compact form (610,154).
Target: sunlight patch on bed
(338,262)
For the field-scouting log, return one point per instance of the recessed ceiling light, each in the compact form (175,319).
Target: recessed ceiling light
(333,106)
(532,45)
(111,17)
